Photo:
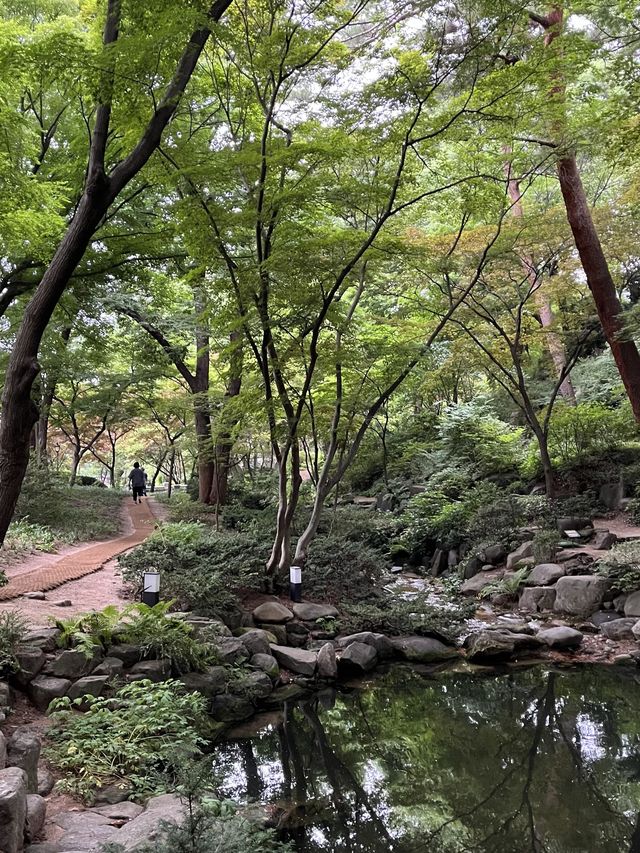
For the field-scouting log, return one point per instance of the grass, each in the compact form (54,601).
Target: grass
(50,514)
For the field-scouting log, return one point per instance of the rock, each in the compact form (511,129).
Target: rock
(232,650)
(545,574)
(495,554)
(210,682)
(30,659)
(117,792)
(44,689)
(154,670)
(252,686)
(91,685)
(490,645)
(256,641)
(268,664)
(84,830)
(295,660)
(272,611)
(46,781)
(382,644)
(148,827)
(521,553)
(423,649)
(36,813)
(309,612)
(225,707)
(611,494)
(632,604)
(119,811)
(5,695)
(297,634)
(601,616)
(580,594)
(23,750)
(279,632)
(3,751)
(439,563)
(573,522)
(327,664)
(43,638)
(127,653)
(73,664)
(603,540)
(35,596)
(561,637)
(619,602)
(474,585)
(472,567)
(537,598)
(358,656)
(13,809)
(109,667)
(65,602)
(619,629)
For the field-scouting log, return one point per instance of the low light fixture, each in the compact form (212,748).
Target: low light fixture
(295,583)
(151,588)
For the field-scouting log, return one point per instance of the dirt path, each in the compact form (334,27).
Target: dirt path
(85,575)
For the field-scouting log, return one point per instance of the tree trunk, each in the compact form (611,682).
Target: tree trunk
(592,257)
(74,468)
(227,422)
(172,459)
(157,471)
(599,278)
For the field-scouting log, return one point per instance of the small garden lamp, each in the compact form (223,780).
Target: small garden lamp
(151,588)
(295,583)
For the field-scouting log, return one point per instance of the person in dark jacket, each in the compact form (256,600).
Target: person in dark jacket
(136,482)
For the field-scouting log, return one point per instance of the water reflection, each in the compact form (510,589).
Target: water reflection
(540,761)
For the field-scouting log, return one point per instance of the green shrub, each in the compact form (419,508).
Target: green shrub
(545,545)
(12,632)
(25,536)
(622,566)
(340,570)
(588,429)
(391,615)
(132,738)
(153,629)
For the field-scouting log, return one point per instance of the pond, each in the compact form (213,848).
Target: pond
(531,760)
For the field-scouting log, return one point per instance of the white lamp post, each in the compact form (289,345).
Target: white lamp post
(151,588)
(295,583)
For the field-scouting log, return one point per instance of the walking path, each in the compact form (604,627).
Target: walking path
(82,561)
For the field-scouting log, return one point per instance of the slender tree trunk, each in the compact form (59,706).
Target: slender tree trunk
(229,418)
(75,462)
(157,471)
(585,235)
(172,459)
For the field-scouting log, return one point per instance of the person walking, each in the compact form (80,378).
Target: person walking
(136,482)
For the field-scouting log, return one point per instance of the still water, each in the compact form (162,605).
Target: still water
(535,760)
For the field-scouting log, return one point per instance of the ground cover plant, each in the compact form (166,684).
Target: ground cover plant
(13,628)
(131,739)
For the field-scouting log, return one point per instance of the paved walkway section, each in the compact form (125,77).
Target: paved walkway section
(84,561)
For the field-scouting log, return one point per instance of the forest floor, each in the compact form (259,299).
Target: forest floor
(85,575)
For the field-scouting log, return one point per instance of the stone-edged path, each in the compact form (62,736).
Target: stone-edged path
(84,560)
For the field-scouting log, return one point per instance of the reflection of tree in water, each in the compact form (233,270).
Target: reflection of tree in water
(528,762)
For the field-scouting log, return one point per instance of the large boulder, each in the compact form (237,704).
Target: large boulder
(74,664)
(228,708)
(545,574)
(43,638)
(256,641)
(13,809)
(476,584)
(30,661)
(149,827)
(299,661)
(495,554)
(36,813)
(561,637)
(23,750)
(310,611)
(272,611)
(619,629)
(46,781)
(154,670)
(119,811)
(423,649)
(381,643)
(126,652)
(84,831)
(266,663)
(490,645)
(327,665)
(523,552)
(44,690)
(612,494)
(210,682)
(231,650)
(90,685)
(580,594)
(537,598)
(253,686)
(358,657)
(603,540)
(573,522)
(632,604)
(109,667)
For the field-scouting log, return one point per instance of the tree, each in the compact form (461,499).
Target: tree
(107,176)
